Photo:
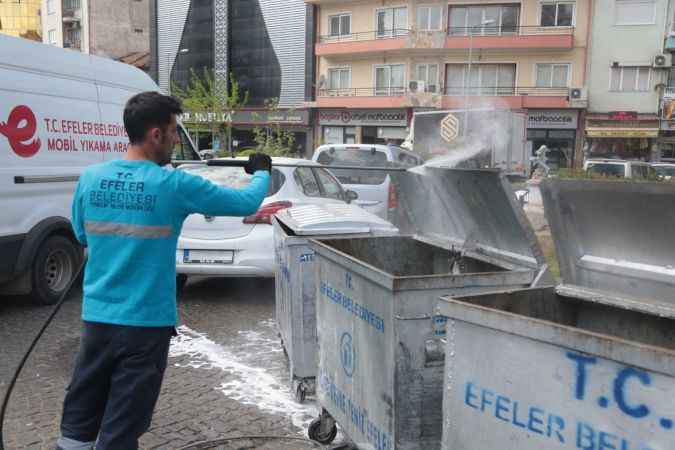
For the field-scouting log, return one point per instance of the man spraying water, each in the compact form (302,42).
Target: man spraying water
(129,214)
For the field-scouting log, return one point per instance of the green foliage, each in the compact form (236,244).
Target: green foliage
(211,95)
(272,139)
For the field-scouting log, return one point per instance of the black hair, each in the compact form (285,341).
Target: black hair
(148,110)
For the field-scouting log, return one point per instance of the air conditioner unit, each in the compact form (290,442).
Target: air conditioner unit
(661,61)
(578,97)
(417,86)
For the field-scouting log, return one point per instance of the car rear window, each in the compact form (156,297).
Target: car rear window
(355,157)
(234,177)
(608,170)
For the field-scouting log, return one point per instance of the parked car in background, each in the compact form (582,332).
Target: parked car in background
(665,171)
(619,168)
(207,154)
(376,192)
(244,247)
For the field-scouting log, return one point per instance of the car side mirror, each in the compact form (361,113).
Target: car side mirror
(350,196)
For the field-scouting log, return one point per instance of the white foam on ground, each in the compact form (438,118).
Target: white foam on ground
(249,383)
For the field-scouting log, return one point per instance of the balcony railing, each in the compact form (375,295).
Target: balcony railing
(365,36)
(501,91)
(506,30)
(71,9)
(452,32)
(669,92)
(449,91)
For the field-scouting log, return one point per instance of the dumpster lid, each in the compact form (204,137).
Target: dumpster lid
(333,218)
(614,238)
(472,210)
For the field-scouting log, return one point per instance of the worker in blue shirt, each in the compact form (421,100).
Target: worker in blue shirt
(129,214)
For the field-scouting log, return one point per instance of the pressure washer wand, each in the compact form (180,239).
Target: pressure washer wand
(242,163)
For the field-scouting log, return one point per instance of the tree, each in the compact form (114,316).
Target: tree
(272,139)
(210,96)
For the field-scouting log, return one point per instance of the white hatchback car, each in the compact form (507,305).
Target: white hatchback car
(244,247)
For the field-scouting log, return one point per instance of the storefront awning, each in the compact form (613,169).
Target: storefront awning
(593,132)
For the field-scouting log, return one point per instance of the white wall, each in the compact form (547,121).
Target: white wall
(628,45)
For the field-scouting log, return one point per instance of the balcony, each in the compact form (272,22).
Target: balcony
(71,11)
(536,38)
(669,92)
(452,98)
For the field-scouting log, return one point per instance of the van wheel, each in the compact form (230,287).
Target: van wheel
(55,265)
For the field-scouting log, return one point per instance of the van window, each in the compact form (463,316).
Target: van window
(607,169)
(183,150)
(355,157)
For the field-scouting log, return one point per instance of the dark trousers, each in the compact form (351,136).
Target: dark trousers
(117,378)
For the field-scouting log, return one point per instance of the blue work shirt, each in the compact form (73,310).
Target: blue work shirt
(129,214)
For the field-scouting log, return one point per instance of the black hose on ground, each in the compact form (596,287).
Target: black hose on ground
(17,372)
(209,444)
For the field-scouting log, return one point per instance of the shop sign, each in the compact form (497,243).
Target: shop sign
(623,115)
(554,119)
(363,117)
(286,117)
(622,133)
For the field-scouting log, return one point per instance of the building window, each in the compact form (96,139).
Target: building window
(557,14)
(340,24)
(485,79)
(428,73)
(635,12)
(630,79)
(392,22)
(339,79)
(390,79)
(553,75)
(489,19)
(51,6)
(51,36)
(429,18)
(667,151)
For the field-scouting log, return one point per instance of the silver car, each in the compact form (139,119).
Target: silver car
(244,247)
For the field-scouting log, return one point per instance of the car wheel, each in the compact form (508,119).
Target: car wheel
(55,265)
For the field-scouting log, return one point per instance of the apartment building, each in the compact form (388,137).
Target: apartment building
(21,18)
(378,61)
(628,75)
(110,28)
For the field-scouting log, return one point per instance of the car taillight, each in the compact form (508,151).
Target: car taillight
(264,214)
(392,203)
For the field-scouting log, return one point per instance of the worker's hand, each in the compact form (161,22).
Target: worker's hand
(258,161)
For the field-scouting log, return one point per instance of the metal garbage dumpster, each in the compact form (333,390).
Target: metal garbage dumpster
(380,355)
(589,364)
(295,286)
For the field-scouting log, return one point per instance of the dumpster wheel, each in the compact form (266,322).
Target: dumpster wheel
(316,433)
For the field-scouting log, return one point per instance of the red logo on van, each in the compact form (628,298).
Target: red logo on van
(19,131)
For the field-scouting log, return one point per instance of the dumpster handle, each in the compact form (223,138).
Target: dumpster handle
(423,317)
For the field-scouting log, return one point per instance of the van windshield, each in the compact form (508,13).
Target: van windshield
(608,169)
(355,157)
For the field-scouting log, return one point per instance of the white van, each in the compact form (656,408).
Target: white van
(376,193)
(60,111)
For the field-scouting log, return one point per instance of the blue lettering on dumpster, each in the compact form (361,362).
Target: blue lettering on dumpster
(351,306)
(356,414)
(306,257)
(623,396)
